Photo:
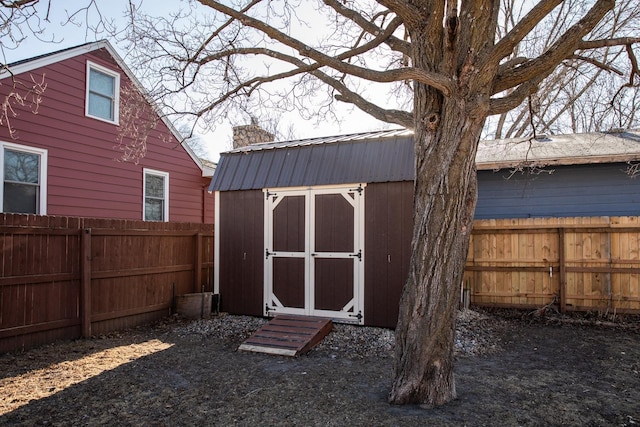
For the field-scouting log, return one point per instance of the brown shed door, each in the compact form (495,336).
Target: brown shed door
(313,257)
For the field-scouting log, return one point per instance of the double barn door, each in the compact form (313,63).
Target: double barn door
(314,252)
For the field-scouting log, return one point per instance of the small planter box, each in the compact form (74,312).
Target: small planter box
(194,306)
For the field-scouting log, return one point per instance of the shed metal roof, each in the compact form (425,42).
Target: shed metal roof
(387,156)
(371,157)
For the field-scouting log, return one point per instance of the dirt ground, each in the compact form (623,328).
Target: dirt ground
(541,372)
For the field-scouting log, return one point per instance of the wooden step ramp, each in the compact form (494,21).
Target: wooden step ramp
(288,335)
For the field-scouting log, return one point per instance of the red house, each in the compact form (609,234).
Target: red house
(79,138)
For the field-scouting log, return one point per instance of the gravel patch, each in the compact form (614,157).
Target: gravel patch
(475,335)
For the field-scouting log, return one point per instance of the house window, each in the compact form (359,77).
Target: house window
(103,93)
(24,172)
(156,196)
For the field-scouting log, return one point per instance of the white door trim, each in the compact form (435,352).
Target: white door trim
(357,202)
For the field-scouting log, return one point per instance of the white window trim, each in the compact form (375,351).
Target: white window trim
(165,175)
(42,172)
(116,95)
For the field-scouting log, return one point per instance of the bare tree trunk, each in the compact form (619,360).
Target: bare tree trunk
(444,205)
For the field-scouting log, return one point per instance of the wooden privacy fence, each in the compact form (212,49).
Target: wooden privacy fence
(580,264)
(63,278)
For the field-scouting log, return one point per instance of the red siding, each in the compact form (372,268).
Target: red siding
(85,177)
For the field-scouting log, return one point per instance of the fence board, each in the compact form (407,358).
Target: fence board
(579,263)
(130,271)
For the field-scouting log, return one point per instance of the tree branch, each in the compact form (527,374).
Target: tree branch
(302,67)
(21,94)
(287,58)
(563,48)
(215,34)
(507,44)
(512,63)
(402,118)
(411,15)
(635,71)
(436,80)
(596,44)
(17,4)
(597,64)
(515,98)
(393,42)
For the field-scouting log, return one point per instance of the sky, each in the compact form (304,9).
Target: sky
(57,36)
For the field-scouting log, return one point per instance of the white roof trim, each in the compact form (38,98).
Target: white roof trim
(39,61)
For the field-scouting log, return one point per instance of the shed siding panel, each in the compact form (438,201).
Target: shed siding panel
(288,281)
(569,191)
(85,177)
(388,229)
(333,283)
(242,252)
(289,225)
(333,224)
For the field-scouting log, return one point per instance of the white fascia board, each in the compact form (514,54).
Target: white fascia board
(44,60)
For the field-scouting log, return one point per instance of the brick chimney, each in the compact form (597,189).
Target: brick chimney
(250,134)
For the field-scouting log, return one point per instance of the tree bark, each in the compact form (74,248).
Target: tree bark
(447,130)
(444,203)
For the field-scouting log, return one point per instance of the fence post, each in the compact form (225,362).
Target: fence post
(85,282)
(197,276)
(562,273)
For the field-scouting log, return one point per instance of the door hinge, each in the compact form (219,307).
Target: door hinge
(357,316)
(358,255)
(359,189)
(267,309)
(268,194)
(267,253)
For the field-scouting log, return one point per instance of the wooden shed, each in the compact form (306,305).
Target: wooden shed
(322,227)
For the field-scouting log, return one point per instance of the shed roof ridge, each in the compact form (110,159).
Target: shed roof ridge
(350,137)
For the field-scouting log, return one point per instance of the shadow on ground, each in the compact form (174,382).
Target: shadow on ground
(542,375)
